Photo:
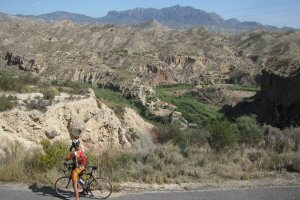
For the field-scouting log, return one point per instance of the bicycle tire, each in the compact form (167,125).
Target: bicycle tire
(100,188)
(63,187)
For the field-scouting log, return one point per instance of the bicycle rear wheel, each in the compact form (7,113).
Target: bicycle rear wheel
(63,187)
(100,188)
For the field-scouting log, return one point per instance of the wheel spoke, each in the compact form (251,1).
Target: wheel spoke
(63,187)
(100,188)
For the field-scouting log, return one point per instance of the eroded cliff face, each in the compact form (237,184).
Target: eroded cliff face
(278,102)
(96,124)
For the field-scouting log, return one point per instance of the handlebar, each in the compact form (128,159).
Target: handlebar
(93,167)
(69,166)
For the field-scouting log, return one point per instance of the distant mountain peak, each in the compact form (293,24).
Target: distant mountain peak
(176,16)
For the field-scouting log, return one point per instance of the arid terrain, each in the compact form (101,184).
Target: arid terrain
(151,104)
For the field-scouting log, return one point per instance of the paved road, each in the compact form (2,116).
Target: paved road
(267,193)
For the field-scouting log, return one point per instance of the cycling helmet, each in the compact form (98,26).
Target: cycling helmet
(75,143)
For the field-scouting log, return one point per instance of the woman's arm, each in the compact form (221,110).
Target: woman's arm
(70,155)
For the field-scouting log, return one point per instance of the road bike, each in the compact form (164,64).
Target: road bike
(99,188)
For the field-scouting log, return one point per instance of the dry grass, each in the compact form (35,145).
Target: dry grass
(169,164)
(161,164)
(29,166)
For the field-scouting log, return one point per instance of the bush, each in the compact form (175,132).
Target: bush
(16,82)
(197,137)
(11,84)
(249,130)
(7,102)
(119,110)
(38,104)
(172,133)
(192,110)
(29,165)
(54,155)
(91,159)
(29,79)
(294,135)
(71,86)
(296,162)
(276,162)
(50,92)
(223,135)
(277,141)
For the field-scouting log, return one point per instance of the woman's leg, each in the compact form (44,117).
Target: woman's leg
(74,176)
(76,189)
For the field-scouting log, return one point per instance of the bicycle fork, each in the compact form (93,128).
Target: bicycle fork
(84,185)
(68,183)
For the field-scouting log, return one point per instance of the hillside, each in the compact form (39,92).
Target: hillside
(149,52)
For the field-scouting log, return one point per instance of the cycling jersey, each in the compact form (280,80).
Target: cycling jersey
(79,159)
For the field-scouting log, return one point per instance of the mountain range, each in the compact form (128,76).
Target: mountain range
(176,17)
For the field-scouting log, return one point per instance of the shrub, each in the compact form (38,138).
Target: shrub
(276,162)
(121,52)
(197,137)
(53,156)
(91,159)
(171,133)
(50,92)
(249,130)
(7,102)
(29,79)
(296,162)
(29,165)
(15,82)
(223,135)
(143,141)
(294,135)
(11,84)
(277,141)
(71,86)
(192,110)
(119,110)
(38,104)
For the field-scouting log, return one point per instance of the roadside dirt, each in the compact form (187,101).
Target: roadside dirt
(284,179)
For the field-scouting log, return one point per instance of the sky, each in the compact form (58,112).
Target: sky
(272,12)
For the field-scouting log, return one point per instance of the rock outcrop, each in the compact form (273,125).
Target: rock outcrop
(278,102)
(85,117)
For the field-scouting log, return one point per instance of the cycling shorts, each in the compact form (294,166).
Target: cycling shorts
(75,173)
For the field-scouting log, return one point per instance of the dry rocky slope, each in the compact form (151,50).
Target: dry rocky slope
(134,59)
(148,53)
(98,126)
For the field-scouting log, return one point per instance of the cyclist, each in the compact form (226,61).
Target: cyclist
(79,161)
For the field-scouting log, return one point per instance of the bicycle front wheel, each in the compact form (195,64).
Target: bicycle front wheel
(63,187)
(100,188)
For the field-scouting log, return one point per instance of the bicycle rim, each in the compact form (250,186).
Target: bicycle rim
(100,188)
(63,187)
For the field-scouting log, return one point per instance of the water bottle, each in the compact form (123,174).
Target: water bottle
(81,181)
(87,183)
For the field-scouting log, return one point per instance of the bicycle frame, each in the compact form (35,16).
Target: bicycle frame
(88,185)
(91,178)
